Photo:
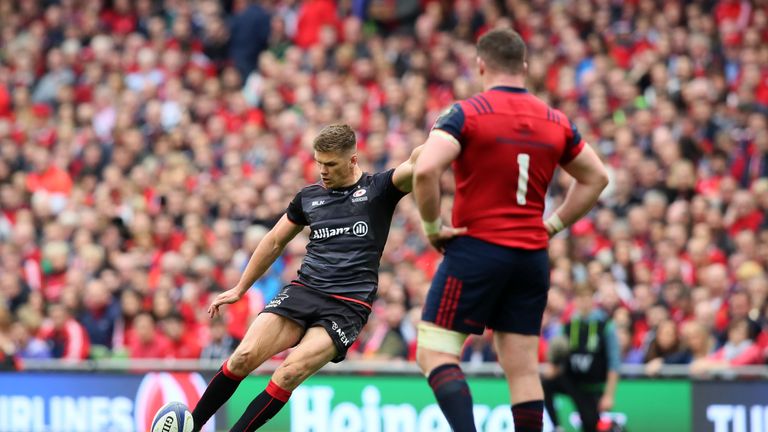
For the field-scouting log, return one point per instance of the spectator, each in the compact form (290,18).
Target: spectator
(182,344)
(665,342)
(739,308)
(146,340)
(391,334)
(130,307)
(7,347)
(249,32)
(67,339)
(29,346)
(479,349)
(739,350)
(315,16)
(100,314)
(221,343)
(697,342)
(58,76)
(15,292)
(629,354)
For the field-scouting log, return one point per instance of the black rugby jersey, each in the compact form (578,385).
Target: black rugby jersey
(348,229)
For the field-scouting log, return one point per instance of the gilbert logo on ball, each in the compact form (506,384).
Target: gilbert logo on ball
(159,388)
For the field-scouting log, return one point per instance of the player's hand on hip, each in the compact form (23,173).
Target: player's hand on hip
(550,231)
(440,239)
(227,297)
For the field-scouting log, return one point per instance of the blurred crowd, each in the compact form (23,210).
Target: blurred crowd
(147,146)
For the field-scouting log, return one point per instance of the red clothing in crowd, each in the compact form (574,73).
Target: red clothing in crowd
(313,16)
(121,23)
(70,342)
(158,347)
(750,222)
(53,179)
(5,102)
(185,348)
(752,355)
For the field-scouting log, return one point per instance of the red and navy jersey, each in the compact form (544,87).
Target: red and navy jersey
(511,143)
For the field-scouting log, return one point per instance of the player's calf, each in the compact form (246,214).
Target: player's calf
(263,407)
(313,352)
(219,390)
(438,356)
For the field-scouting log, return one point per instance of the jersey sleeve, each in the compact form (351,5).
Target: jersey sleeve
(573,144)
(387,186)
(451,122)
(295,211)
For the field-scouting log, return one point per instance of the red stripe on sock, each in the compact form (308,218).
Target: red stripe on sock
(446,379)
(214,377)
(526,411)
(257,415)
(278,392)
(530,410)
(440,374)
(527,415)
(229,374)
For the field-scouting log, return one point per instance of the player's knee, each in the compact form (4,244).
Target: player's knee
(241,363)
(521,367)
(290,374)
(423,358)
(437,346)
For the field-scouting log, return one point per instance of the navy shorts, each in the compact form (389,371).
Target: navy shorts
(481,285)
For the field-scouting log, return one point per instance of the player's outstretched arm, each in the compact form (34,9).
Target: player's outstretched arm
(402,178)
(590,178)
(438,153)
(270,247)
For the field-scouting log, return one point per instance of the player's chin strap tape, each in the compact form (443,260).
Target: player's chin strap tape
(439,339)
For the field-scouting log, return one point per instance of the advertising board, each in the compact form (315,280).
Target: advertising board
(406,404)
(730,406)
(83,402)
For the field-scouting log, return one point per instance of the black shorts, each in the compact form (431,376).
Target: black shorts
(308,307)
(480,285)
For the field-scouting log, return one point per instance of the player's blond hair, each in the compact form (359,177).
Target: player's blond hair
(335,138)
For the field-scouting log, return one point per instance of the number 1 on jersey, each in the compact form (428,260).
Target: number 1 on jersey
(523,162)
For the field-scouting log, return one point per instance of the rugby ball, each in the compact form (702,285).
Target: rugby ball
(172,417)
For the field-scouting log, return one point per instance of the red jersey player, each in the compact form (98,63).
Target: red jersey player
(504,144)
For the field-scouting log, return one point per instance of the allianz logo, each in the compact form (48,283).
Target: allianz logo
(358,229)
